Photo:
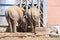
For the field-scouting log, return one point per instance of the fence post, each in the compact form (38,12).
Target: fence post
(44,13)
(20,3)
(32,3)
(38,5)
(26,6)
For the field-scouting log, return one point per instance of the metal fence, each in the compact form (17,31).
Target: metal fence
(40,4)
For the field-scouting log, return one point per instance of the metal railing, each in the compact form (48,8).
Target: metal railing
(41,5)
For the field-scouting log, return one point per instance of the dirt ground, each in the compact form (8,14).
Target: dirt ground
(41,35)
(29,38)
(25,36)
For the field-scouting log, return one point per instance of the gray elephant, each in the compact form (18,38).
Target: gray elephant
(14,15)
(33,17)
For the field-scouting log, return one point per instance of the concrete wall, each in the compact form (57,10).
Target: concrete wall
(53,11)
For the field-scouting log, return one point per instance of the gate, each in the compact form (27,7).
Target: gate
(40,4)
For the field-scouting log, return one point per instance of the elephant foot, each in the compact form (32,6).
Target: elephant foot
(15,31)
(11,31)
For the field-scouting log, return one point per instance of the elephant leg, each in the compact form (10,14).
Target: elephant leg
(10,24)
(26,28)
(31,23)
(32,28)
(34,24)
(14,27)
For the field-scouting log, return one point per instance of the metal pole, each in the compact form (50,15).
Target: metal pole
(32,3)
(4,4)
(26,6)
(20,3)
(44,13)
(38,4)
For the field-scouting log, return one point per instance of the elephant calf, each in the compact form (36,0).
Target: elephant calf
(14,15)
(33,17)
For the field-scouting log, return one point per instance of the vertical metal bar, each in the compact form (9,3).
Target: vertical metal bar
(32,3)
(26,6)
(44,13)
(20,3)
(38,4)
(3,6)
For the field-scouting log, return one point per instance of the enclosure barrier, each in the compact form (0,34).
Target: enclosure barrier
(41,5)
(4,4)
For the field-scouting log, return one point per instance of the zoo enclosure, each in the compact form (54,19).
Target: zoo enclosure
(40,4)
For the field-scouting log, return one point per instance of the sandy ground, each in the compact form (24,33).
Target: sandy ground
(29,38)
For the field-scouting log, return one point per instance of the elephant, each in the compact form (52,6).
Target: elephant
(33,15)
(14,15)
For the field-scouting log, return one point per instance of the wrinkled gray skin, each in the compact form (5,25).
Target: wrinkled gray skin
(14,15)
(33,17)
